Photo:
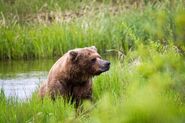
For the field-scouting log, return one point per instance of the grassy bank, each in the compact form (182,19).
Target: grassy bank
(147,87)
(147,77)
(108,26)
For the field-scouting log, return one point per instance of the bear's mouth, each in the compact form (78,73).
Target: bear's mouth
(105,69)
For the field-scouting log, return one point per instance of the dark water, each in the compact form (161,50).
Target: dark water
(21,78)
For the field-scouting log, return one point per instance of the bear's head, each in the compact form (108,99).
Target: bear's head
(88,61)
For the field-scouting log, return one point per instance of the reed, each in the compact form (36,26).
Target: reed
(104,28)
(146,80)
(148,86)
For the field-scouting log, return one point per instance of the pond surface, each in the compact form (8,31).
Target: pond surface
(21,78)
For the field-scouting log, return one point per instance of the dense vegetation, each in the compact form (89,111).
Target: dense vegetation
(146,82)
(108,26)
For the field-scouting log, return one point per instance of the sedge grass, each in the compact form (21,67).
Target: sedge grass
(102,28)
(148,86)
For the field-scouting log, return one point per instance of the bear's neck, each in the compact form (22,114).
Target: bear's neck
(77,76)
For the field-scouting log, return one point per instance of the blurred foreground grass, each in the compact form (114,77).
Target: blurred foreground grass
(147,86)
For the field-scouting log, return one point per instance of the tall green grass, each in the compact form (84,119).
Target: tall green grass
(145,84)
(160,22)
(147,87)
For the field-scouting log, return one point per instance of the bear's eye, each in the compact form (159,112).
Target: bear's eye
(93,60)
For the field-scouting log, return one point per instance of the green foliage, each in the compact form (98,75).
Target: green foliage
(34,110)
(160,22)
(145,83)
(148,86)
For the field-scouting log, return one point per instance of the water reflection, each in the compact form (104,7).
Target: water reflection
(21,78)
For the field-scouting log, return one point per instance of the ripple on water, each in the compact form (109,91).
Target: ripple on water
(22,85)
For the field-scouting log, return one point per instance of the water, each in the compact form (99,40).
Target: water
(20,79)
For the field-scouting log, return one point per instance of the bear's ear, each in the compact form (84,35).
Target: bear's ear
(94,48)
(73,55)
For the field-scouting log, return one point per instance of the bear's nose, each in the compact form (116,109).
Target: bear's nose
(107,63)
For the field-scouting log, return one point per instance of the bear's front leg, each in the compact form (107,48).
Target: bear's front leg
(82,91)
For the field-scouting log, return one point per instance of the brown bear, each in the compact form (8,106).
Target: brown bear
(71,76)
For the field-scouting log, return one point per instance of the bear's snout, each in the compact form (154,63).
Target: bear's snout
(105,65)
